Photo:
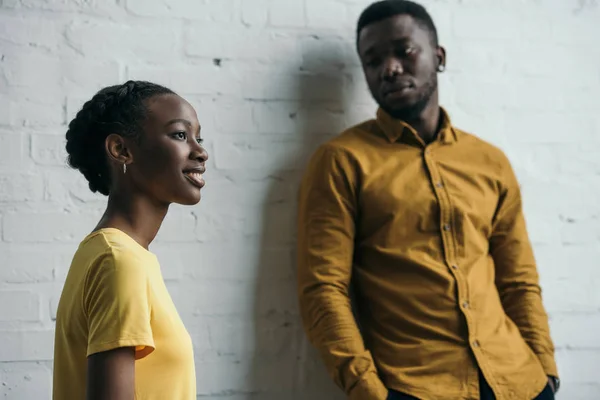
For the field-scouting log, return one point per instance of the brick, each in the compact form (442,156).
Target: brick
(24,306)
(544,59)
(173,259)
(226,225)
(578,366)
(322,54)
(485,23)
(212,298)
(276,298)
(27,32)
(326,14)
(575,331)
(42,111)
(574,231)
(74,105)
(255,13)
(279,86)
(299,119)
(223,112)
(22,265)
(551,260)
(12,149)
(547,127)
(179,225)
(202,79)
(225,375)
(194,10)
(68,186)
(25,381)
(49,227)
(224,11)
(20,187)
(272,337)
(274,263)
(578,391)
(238,153)
(27,345)
(247,44)
(473,55)
(128,42)
(68,75)
(86,6)
(49,149)
(289,14)
(571,295)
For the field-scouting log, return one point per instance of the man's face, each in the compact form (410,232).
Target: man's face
(400,63)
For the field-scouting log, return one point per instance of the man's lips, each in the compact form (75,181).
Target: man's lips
(398,88)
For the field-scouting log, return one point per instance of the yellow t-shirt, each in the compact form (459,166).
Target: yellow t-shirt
(115,296)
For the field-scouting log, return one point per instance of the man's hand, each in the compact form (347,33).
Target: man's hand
(551,383)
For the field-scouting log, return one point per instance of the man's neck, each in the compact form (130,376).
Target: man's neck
(427,124)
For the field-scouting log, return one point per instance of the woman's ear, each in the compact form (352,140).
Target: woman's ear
(117,149)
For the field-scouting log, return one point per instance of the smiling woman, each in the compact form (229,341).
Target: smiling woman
(118,334)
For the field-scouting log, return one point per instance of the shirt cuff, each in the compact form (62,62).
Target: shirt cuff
(549,364)
(369,387)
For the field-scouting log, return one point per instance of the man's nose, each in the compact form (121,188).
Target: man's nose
(392,68)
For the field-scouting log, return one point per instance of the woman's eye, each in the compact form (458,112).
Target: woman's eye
(180,135)
(200,141)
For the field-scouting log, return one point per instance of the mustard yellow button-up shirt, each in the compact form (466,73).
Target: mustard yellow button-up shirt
(433,239)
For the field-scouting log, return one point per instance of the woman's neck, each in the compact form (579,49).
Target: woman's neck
(137,216)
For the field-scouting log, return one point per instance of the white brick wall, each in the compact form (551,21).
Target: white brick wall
(271,79)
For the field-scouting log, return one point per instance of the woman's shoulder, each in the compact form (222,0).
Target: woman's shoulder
(115,249)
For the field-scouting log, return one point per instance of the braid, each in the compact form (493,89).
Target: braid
(115,109)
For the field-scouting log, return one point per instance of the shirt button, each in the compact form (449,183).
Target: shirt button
(455,267)
(439,185)
(465,304)
(446,227)
(476,343)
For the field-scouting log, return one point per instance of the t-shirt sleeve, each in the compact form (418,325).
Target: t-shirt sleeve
(117,305)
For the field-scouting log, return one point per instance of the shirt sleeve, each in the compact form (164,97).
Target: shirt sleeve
(326,229)
(517,278)
(117,305)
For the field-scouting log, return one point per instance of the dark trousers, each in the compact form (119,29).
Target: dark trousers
(485,393)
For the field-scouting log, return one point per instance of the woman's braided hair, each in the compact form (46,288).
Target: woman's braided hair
(114,109)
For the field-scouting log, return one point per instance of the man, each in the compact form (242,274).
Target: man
(426,222)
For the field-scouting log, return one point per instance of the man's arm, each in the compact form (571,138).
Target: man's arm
(110,375)
(516,273)
(326,231)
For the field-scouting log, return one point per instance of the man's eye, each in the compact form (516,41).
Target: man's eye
(180,135)
(200,141)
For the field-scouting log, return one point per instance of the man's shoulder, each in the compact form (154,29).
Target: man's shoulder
(491,152)
(352,139)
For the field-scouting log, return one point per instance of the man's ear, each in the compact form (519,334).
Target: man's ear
(441,58)
(117,149)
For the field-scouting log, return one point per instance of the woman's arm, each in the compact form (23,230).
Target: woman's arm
(110,375)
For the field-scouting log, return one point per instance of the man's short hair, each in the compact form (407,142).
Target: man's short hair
(388,8)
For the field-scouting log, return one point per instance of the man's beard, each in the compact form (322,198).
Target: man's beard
(414,111)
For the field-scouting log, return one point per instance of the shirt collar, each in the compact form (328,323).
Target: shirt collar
(394,129)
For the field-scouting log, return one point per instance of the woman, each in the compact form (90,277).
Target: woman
(118,334)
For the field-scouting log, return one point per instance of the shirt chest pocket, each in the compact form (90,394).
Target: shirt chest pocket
(401,204)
